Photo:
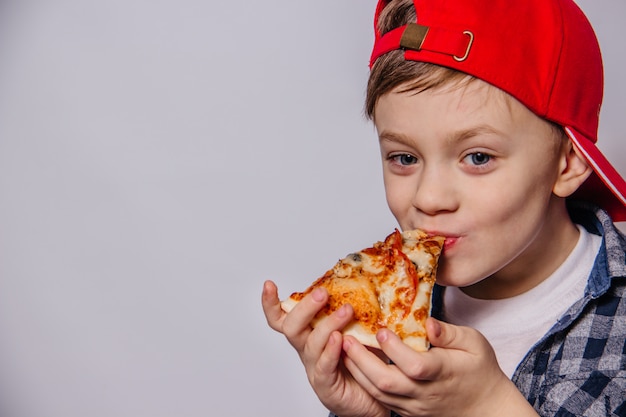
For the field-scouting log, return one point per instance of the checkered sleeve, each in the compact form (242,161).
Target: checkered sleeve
(581,371)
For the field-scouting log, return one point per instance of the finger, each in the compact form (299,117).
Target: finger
(419,366)
(299,319)
(362,379)
(438,362)
(319,337)
(388,401)
(449,336)
(331,355)
(443,335)
(357,354)
(322,351)
(383,381)
(274,314)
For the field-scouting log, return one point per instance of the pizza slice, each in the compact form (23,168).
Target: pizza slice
(389,285)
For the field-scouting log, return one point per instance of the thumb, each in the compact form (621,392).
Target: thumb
(449,336)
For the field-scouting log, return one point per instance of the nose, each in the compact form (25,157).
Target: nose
(435,192)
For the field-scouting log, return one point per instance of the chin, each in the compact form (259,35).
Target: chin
(447,277)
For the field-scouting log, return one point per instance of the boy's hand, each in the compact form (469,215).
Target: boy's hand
(320,351)
(458,376)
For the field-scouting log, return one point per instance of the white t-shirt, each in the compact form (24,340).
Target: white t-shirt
(513,325)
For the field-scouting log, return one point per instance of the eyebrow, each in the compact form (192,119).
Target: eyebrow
(386,136)
(456,136)
(480,130)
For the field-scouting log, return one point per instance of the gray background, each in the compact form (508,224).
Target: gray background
(158,159)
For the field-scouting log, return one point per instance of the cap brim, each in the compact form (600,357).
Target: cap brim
(605,187)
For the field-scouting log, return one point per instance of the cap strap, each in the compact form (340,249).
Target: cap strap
(414,37)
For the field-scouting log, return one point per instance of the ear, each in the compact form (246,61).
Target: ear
(573,171)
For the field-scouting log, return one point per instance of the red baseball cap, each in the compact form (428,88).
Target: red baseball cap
(542,52)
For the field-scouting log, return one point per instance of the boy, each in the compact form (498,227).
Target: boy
(487,116)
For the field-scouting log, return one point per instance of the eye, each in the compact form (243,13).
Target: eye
(478,158)
(403,159)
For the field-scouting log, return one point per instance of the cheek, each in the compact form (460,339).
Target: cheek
(399,196)
(496,238)
(394,202)
(507,212)
(514,194)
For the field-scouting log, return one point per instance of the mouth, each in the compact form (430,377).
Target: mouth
(450,239)
(449,243)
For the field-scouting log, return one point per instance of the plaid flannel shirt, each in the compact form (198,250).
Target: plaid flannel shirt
(579,367)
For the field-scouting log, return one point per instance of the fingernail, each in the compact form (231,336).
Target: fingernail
(318,294)
(382,336)
(436,328)
(343,311)
(347,344)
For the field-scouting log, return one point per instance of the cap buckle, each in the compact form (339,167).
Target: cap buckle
(469,46)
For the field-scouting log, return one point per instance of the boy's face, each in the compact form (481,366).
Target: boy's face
(478,167)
